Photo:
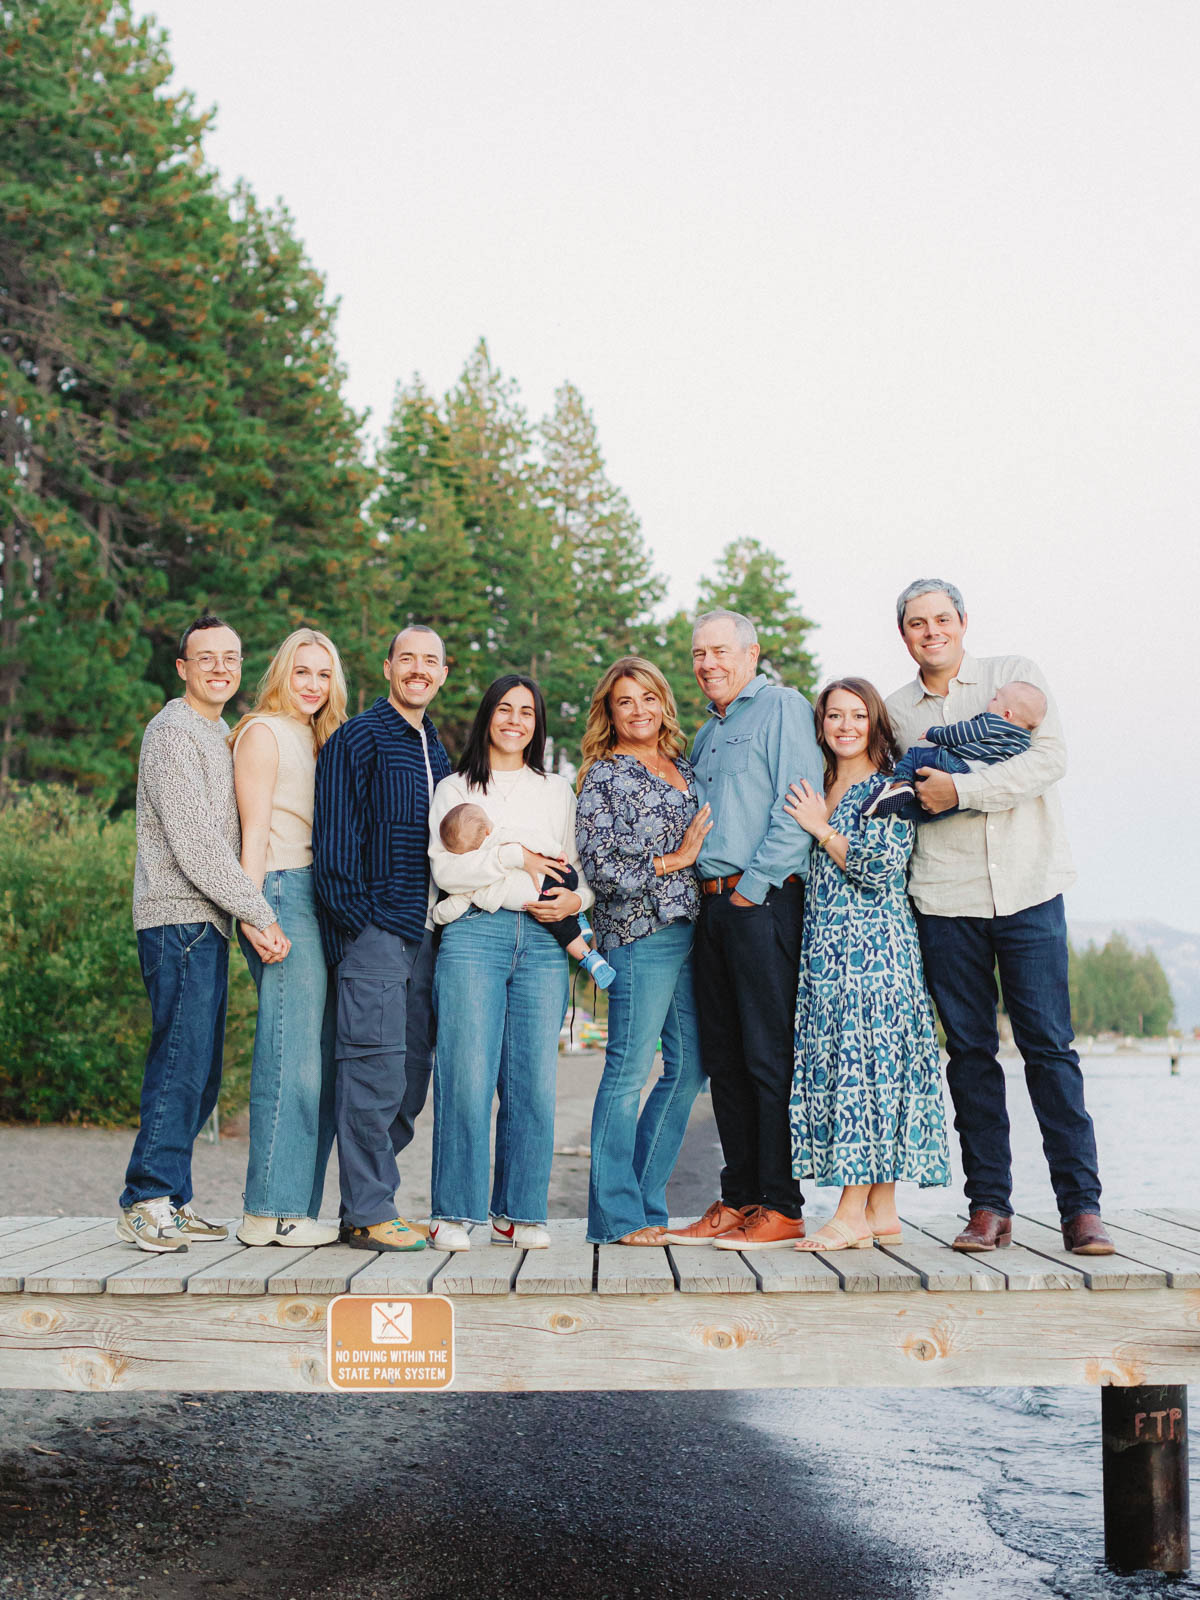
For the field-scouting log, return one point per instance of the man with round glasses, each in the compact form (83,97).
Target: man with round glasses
(188,886)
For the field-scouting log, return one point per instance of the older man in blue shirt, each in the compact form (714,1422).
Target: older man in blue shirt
(759,739)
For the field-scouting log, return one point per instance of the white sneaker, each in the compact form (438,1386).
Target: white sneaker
(445,1235)
(521,1235)
(297,1233)
(150,1224)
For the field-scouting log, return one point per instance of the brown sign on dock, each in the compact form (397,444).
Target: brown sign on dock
(390,1344)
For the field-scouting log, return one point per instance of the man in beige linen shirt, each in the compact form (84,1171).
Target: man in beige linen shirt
(987,884)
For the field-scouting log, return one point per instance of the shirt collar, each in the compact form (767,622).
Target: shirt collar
(384,704)
(760,681)
(968,672)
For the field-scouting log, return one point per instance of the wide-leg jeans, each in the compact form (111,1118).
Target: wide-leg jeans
(633,1156)
(293,1074)
(1029,950)
(185,967)
(384,1049)
(500,987)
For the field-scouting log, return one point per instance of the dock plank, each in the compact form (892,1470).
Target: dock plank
(90,1268)
(327,1270)
(1023,1271)
(1183,1216)
(10,1225)
(399,1272)
(567,1267)
(628,1269)
(870,1271)
(250,1271)
(791,1272)
(61,1240)
(1147,1225)
(942,1270)
(1099,1272)
(710,1271)
(485,1268)
(170,1274)
(1181,1267)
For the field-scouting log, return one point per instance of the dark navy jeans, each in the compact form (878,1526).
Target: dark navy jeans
(185,967)
(1029,949)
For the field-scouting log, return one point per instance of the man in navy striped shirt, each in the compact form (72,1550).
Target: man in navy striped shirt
(375,781)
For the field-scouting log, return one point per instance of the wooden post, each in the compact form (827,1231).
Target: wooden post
(1145,1478)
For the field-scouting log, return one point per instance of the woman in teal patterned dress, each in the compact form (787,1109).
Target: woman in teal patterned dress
(866,1108)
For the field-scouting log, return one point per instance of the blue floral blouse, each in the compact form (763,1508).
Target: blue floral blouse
(626,816)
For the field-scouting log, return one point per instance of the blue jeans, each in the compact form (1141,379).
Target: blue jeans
(632,1156)
(500,992)
(1029,948)
(292,1078)
(185,967)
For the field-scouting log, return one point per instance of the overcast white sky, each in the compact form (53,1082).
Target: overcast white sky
(900,289)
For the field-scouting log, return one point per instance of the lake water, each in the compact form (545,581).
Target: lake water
(1009,1476)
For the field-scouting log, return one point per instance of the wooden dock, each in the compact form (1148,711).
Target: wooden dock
(81,1311)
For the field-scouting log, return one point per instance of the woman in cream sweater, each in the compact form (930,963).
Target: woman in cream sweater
(301,700)
(501,979)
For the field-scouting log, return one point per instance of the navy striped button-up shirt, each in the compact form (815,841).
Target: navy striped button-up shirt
(371,826)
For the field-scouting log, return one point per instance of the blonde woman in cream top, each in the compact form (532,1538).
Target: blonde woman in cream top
(300,702)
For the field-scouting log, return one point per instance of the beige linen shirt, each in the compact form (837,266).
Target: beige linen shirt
(1007,848)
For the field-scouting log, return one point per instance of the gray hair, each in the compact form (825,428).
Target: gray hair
(743,629)
(929,586)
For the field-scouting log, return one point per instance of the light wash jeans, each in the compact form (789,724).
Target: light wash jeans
(633,1157)
(292,1076)
(500,992)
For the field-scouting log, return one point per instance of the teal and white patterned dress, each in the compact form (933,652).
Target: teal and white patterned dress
(866,1101)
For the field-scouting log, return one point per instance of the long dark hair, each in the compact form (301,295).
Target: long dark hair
(474,763)
(881,741)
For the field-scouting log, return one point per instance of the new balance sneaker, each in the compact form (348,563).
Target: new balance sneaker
(521,1235)
(296,1233)
(445,1235)
(193,1227)
(150,1224)
(394,1235)
(891,798)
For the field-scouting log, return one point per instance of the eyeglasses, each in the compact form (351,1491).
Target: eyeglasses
(207,661)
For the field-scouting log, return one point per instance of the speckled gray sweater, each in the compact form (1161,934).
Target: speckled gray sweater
(188,833)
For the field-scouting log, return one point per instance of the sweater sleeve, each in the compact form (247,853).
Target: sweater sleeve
(174,779)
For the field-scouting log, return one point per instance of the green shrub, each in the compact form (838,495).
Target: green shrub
(74,1018)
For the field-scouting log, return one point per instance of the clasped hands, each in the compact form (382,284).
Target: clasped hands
(270,944)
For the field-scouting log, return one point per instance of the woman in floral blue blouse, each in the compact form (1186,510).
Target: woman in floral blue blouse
(866,1108)
(639,833)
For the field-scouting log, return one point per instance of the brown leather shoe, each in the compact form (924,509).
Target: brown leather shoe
(987,1230)
(1084,1235)
(716,1220)
(762,1229)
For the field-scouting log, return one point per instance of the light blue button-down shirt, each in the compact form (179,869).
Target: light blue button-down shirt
(744,762)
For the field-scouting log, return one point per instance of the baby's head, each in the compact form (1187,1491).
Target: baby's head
(1019,702)
(464,828)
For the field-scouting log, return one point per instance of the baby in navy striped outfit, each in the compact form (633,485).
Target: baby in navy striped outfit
(1004,729)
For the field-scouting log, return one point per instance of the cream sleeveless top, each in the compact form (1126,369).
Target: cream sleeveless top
(290,842)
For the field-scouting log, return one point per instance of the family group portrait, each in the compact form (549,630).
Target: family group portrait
(773,903)
(599,937)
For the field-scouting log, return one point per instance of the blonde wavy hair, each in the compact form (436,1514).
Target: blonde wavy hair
(275,698)
(600,736)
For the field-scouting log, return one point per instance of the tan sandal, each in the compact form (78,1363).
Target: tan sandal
(889,1238)
(647,1236)
(837,1235)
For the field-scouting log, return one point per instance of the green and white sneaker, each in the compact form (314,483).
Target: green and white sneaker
(193,1227)
(150,1224)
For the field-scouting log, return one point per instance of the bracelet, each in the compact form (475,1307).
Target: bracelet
(662,860)
(823,842)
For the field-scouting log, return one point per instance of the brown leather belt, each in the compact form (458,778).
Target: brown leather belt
(719,885)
